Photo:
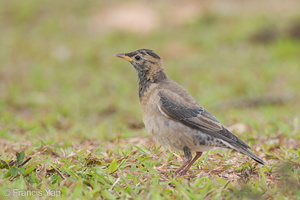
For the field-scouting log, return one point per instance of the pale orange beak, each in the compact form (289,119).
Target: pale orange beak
(122,55)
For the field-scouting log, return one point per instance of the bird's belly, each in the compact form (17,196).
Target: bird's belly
(175,135)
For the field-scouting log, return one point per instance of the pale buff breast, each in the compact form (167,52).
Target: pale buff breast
(169,133)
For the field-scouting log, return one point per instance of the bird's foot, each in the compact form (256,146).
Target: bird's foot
(181,172)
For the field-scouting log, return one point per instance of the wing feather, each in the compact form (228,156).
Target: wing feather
(195,116)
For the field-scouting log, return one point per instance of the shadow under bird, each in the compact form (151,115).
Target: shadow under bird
(173,116)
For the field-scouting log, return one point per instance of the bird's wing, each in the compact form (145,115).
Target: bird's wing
(179,112)
(184,109)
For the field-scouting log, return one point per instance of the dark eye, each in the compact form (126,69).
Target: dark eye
(137,57)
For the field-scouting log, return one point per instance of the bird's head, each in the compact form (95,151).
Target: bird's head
(145,61)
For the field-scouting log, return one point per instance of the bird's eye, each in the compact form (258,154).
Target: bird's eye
(137,57)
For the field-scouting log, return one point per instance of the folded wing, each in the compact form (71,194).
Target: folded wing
(188,112)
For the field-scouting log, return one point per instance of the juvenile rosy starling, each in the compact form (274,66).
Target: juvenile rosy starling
(173,116)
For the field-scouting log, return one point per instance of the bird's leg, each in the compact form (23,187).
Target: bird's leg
(182,166)
(188,159)
(187,167)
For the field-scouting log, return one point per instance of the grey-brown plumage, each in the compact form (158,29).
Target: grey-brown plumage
(172,115)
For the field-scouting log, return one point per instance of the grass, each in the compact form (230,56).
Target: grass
(70,120)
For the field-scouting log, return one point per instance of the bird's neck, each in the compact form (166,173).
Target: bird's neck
(146,79)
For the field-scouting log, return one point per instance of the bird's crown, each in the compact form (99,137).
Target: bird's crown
(144,53)
(143,60)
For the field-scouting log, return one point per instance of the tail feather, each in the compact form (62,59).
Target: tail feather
(242,149)
(252,155)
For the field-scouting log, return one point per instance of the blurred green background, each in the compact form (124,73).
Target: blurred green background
(73,108)
(59,76)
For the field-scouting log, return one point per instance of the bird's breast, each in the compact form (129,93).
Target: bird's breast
(166,131)
(163,129)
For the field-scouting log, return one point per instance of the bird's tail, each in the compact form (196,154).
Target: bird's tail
(244,149)
(251,155)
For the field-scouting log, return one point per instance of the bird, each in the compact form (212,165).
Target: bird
(174,117)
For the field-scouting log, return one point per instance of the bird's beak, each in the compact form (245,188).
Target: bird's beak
(122,55)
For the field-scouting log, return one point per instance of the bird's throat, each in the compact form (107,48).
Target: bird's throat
(145,80)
